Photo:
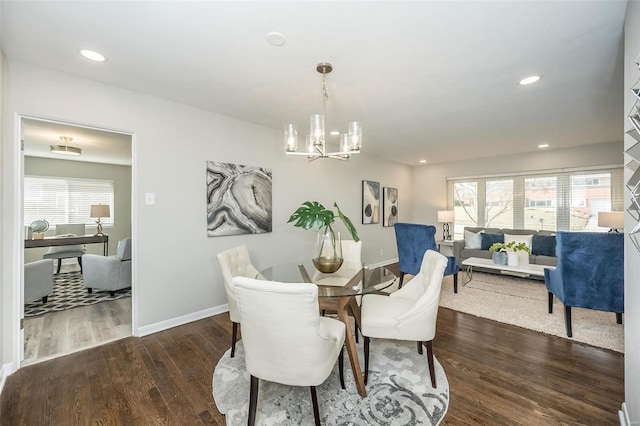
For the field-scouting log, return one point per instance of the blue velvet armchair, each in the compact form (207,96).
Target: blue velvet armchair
(589,274)
(413,241)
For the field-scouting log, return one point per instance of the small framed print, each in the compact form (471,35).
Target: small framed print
(389,206)
(370,202)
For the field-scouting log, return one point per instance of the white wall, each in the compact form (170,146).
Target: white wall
(431,179)
(632,257)
(175,269)
(121,177)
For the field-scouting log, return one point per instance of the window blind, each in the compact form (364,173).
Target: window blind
(555,200)
(66,200)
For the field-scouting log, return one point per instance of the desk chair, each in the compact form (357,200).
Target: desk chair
(285,339)
(66,252)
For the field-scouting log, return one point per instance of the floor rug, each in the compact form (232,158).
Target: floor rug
(69,292)
(523,302)
(399,392)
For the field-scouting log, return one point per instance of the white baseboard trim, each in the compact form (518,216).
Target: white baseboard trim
(4,373)
(623,415)
(383,263)
(174,322)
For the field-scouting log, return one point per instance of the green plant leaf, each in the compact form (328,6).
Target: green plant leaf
(312,215)
(347,223)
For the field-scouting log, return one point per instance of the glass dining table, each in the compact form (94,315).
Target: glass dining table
(339,292)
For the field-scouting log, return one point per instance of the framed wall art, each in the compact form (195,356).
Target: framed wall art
(370,202)
(389,206)
(238,199)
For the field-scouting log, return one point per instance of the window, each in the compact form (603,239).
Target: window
(563,200)
(499,203)
(465,200)
(65,200)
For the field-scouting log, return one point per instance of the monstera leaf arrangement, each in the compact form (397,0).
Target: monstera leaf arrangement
(313,215)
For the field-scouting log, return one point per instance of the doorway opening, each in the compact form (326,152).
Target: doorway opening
(70,174)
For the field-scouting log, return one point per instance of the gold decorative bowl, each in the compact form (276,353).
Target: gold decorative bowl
(327,265)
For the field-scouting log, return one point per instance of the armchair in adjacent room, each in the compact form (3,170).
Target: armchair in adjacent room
(589,273)
(109,273)
(38,280)
(413,240)
(66,252)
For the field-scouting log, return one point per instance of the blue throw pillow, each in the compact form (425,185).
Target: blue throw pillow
(544,245)
(489,239)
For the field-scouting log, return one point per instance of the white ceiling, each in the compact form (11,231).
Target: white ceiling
(429,80)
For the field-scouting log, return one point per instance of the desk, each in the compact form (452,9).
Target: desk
(69,241)
(337,292)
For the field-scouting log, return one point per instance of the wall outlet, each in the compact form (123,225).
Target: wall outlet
(381,252)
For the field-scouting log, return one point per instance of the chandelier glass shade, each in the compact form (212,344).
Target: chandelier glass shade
(316,142)
(65,149)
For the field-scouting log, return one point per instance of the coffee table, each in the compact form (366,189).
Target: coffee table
(337,292)
(522,271)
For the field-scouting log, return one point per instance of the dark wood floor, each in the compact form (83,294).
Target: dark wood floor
(498,375)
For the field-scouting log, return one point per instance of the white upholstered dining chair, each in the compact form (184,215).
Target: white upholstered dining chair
(284,337)
(235,262)
(408,314)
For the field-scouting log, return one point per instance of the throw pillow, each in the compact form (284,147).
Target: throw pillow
(489,239)
(527,239)
(473,240)
(544,245)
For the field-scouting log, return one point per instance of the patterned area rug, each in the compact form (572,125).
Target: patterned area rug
(399,392)
(69,292)
(523,302)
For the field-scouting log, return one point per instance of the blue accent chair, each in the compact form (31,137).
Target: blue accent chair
(589,274)
(413,241)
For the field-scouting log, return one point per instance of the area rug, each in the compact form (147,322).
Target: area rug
(524,303)
(399,392)
(69,292)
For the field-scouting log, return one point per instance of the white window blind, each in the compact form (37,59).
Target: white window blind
(557,200)
(65,200)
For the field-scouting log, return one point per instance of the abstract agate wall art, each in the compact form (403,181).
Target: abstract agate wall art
(389,206)
(238,199)
(370,202)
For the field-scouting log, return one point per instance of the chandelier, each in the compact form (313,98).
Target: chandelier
(315,144)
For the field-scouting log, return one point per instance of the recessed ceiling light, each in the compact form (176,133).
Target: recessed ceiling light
(93,55)
(422,161)
(529,80)
(335,133)
(543,145)
(276,39)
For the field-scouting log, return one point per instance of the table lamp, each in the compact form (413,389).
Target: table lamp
(611,220)
(100,211)
(446,217)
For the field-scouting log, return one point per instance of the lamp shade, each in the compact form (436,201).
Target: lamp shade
(100,210)
(613,220)
(446,216)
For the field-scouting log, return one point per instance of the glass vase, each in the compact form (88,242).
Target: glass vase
(328,252)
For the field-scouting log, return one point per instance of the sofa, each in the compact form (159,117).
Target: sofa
(478,240)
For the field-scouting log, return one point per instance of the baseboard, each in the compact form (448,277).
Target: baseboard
(623,415)
(4,373)
(185,319)
(383,263)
